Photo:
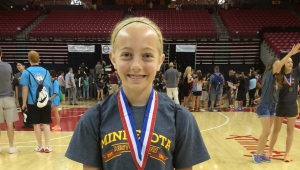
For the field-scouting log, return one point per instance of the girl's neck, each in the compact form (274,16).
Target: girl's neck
(287,71)
(137,98)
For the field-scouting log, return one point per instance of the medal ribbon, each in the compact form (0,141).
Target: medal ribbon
(289,81)
(139,148)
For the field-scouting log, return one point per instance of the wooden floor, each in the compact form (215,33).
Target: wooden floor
(230,138)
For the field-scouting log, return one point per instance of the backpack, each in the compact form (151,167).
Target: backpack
(85,82)
(218,82)
(42,97)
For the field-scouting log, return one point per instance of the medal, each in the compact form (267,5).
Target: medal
(139,148)
(274,94)
(289,82)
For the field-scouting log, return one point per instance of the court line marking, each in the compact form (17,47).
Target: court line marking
(227,120)
(42,140)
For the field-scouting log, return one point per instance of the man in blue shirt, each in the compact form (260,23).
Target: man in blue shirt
(36,115)
(215,89)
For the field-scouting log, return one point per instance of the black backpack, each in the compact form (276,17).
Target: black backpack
(218,82)
(42,97)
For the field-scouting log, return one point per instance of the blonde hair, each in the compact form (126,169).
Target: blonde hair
(33,56)
(136,20)
(187,71)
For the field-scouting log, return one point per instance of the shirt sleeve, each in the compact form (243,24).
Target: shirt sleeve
(297,71)
(24,78)
(84,146)
(223,80)
(56,88)
(211,79)
(189,146)
(15,81)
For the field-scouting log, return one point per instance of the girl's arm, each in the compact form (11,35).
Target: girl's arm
(295,50)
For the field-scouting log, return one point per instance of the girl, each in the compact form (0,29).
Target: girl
(62,83)
(197,92)
(168,138)
(204,96)
(287,106)
(186,86)
(54,93)
(100,87)
(269,97)
(85,87)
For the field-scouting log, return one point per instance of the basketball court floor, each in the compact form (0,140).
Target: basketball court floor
(230,138)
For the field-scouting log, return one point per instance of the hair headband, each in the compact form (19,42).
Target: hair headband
(131,23)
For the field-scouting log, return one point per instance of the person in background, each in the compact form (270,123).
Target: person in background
(215,94)
(114,81)
(36,115)
(92,84)
(82,69)
(62,83)
(18,92)
(78,82)
(98,68)
(252,89)
(8,109)
(55,100)
(85,88)
(172,79)
(71,87)
(241,86)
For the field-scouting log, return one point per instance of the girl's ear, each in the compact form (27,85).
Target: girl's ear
(112,59)
(160,61)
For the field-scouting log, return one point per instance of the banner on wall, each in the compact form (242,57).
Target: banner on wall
(186,48)
(81,48)
(106,49)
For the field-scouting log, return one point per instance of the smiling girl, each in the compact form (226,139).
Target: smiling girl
(137,128)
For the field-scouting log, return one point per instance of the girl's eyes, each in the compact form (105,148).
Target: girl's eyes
(147,55)
(126,55)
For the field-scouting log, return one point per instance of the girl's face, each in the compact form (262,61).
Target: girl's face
(288,66)
(136,56)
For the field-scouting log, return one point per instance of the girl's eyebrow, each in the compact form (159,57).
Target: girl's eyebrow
(146,48)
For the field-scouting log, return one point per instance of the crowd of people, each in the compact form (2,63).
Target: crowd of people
(199,91)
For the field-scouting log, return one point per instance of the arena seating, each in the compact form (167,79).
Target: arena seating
(77,24)
(248,23)
(50,52)
(13,22)
(282,42)
(182,24)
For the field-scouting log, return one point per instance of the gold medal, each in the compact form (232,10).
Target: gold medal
(291,89)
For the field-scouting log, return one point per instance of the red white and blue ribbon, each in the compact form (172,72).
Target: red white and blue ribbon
(288,80)
(139,148)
